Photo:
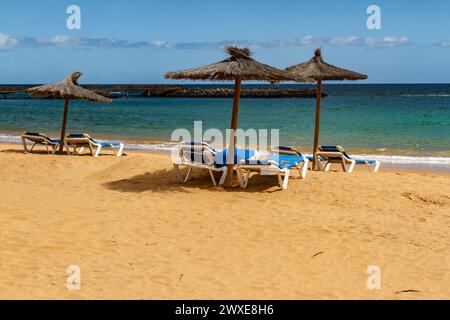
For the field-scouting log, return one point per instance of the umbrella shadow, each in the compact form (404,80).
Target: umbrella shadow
(165,180)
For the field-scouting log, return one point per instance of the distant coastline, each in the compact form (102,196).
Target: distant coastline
(177,91)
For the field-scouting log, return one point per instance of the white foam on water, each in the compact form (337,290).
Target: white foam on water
(384,159)
(9,138)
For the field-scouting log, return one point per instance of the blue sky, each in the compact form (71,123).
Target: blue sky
(138,41)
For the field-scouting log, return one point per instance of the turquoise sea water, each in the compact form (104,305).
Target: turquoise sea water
(402,120)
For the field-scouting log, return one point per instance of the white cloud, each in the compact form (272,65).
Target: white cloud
(443,44)
(386,42)
(7,41)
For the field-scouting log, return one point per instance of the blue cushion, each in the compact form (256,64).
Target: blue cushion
(283,160)
(32,134)
(103,143)
(76,135)
(360,161)
(108,144)
(221,157)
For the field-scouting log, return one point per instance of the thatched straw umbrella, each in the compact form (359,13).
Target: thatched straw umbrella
(319,70)
(66,89)
(238,67)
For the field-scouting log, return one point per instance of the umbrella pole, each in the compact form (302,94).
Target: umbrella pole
(64,124)
(234,124)
(316,162)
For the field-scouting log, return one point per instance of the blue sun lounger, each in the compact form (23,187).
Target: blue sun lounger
(83,140)
(337,154)
(281,161)
(39,139)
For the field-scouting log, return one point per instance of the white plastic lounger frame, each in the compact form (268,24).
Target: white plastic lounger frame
(197,156)
(272,168)
(86,141)
(302,166)
(39,139)
(339,156)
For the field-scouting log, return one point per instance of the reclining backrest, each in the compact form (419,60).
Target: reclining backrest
(334,149)
(286,150)
(38,136)
(79,138)
(197,153)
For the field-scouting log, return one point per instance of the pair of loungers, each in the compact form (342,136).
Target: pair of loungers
(74,144)
(203,156)
(281,162)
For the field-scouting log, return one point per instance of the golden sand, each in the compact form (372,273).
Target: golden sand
(137,233)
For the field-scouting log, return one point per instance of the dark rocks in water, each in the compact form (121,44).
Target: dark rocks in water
(178,92)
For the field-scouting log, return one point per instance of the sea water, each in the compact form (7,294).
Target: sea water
(407,124)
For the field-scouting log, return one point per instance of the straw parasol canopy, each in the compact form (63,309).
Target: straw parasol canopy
(66,89)
(239,66)
(319,70)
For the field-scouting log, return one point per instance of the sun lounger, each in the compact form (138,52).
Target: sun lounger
(76,143)
(200,155)
(50,144)
(337,154)
(281,162)
(197,155)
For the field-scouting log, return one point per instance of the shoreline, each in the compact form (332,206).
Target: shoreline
(398,159)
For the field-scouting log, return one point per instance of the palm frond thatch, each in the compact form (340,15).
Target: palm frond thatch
(69,87)
(318,69)
(239,64)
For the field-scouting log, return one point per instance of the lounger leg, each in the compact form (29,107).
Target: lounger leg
(327,167)
(240,178)
(97,153)
(188,176)
(243,178)
(120,152)
(247,178)
(377,166)
(280,179)
(178,173)
(286,179)
(25,149)
(352,166)
(224,176)
(46,147)
(304,170)
(344,166)
(32,147)
(211,173)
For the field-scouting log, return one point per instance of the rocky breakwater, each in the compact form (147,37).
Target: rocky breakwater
(228,93)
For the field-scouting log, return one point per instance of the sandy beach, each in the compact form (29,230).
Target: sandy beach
(136,233)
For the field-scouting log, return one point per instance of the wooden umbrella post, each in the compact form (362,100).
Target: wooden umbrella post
(234,124)
(316,162)
(64,124)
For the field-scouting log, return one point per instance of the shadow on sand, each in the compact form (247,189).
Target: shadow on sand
(166,181)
